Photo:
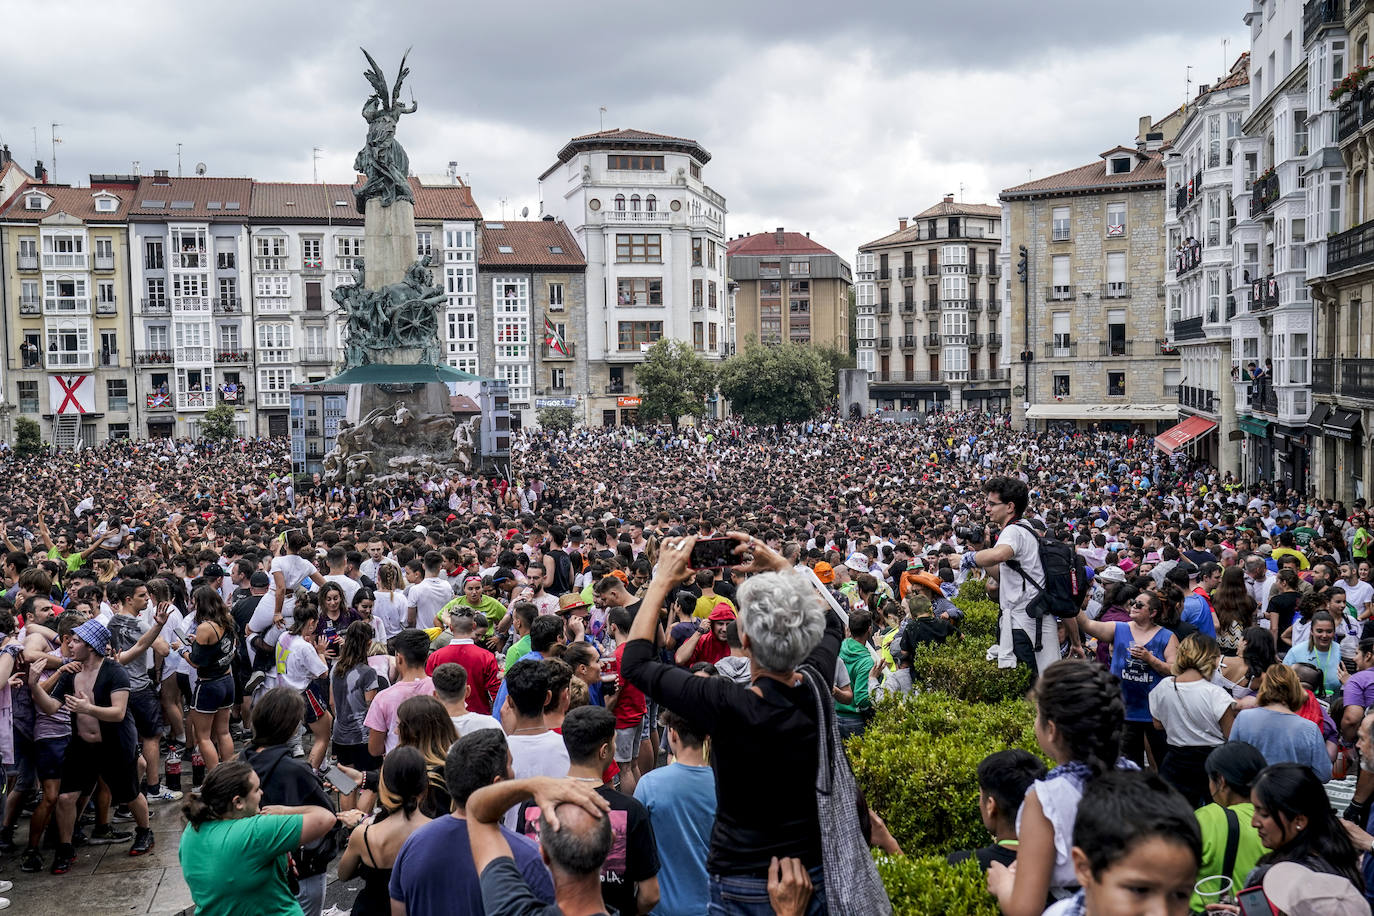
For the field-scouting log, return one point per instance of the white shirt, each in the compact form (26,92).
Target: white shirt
(295,569)
(428,597)
(1357,595)
(350,586)
(1190,711)
(302,662)
(390,610)
(472,721)
(536,755)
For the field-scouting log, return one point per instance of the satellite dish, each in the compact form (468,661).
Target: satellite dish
(525,212)
(200,168)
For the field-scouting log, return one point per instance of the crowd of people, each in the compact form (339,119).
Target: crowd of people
(584,689)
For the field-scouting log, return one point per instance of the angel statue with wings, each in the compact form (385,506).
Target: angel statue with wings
(383,160)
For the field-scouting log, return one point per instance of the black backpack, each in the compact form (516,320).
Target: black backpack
(1066,581)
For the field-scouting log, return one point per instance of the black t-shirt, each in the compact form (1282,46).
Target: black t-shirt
(634,853)
(1285,604)
(108,680)
(505,893)
(985,856)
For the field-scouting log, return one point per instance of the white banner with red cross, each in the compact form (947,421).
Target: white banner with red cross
(71,393)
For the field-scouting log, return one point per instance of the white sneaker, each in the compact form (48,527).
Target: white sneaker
(6,886)
(335,911)
(164,795)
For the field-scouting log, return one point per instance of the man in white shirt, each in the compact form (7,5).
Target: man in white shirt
(426,598)
(1258,581)
(376,553)
(337,561)
(1358,593)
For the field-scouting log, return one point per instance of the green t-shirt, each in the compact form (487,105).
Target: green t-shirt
(74,560)
(1212,821)
(518,651)
(238,867)
(1304,535)
(492,609)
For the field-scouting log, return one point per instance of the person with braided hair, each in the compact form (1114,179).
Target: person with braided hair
(1078,724)
(374,845)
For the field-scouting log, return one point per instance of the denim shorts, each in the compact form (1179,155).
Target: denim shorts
(745,895)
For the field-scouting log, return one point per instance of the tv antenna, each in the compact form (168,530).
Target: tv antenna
(603,118)
(55,140)
(178,160)
(315,163)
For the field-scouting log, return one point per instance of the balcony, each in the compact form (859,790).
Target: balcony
(930,270)
(313,266)
(27,261)
(30,358)
(975,269)
(190,304)
(994,270)
(975,341)
(1352,248)
(104,262)
(189,260)
(908,307)
(157,306)
(1187,257)
(932,340)
(1264,294)
(1189,329)
(1058,293)
(1180,199)
(158,400)
(1357,379)
(64,260)
(954,303)
(975,306)
(1323,376)
(152,357)
(907,273)
(884,343)
(932,305)
(67,359)
(277,356)
(637,217)
(1116,348)
(994,341)
(1265,192)
(195,400)
(194,355)
(228,305)
(316,355)
(898,377)
(225,260)
(1062,350)
(30,306)
(994,306)
(270,399)
(550,353)
(108,307)
(1164,347)
(909,342)
(1262,398)
(884,308)
(884,274)
(66,305)
(235,357)
(107,360)
(620,388)
(1319,13)
(703,221)
(1197,398)
(1120,290)
(1355,112)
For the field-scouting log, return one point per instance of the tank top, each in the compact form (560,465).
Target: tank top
(213,660)
(1136,676)
(373,899)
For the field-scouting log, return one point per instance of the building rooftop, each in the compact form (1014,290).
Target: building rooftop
(779,242)
(200,199)
(75,202)
(292,201)
(628,139)
(542,243)
(1147,170)
(948,207)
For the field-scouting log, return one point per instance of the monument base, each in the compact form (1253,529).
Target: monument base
(398,429)
(389,234)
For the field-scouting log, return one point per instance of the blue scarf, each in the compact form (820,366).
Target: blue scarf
(1080,772)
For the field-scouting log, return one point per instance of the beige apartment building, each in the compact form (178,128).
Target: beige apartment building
(1087,329)
(787,287)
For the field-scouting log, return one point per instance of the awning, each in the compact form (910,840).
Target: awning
(1319,414)
(1253,426)
(1341,423)
(1175,438)
(1062,411)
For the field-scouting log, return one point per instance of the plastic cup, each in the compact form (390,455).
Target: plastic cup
(1214,889)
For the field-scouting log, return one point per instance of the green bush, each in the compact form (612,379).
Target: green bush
(931,887)
(961,669)
(917,764)
(980,618)
(29,437)
(972,590)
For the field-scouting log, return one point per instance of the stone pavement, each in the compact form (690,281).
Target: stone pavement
(107,881)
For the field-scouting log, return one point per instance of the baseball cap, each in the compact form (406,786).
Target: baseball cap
(259,579)
(825,573)
(94,634)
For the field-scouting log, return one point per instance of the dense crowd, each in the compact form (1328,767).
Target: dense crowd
(586,689)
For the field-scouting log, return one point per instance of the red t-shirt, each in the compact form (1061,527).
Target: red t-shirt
(629,711)
(708,649)
(484,677)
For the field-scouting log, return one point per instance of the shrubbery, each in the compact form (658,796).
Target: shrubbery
(931,887)
(961,669)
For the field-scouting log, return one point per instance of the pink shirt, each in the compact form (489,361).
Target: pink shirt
(381,715)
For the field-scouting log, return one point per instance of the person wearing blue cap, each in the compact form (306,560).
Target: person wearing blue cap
(104,743)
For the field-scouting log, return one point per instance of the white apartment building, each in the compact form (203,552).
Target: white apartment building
(1199,274)
(653,234)
(1288,162)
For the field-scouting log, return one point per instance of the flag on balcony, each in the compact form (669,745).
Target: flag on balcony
(1116,230)
(553,340)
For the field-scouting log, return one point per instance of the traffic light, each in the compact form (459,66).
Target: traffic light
(1021,264)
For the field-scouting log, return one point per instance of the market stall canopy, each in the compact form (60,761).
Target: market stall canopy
(1178,436)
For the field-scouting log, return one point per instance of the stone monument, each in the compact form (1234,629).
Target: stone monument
(402,422)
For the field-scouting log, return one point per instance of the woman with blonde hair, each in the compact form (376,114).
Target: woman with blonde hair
(1276,729)
(1195,715)
(389,598)
(423,723)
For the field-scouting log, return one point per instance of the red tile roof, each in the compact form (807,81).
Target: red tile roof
(292,201)
(234,197)
(949,208)
(529,242)
(623,133)
(1094,177)
(76,202)
(443,201)
(766,243)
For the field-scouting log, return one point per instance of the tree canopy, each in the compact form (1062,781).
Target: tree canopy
(780,383)
(674,382)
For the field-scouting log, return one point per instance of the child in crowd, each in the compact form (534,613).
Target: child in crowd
(1003,778)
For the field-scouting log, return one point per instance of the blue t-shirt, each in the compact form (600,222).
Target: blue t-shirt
(682,809)
(434,874)
(1328,663)
(1136,676)
(501,694)
(1198,612)
(1283,738)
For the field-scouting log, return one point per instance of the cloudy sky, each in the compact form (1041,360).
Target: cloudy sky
(821,117)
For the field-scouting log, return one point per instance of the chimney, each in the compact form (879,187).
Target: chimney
(949,198)
(1154,141)
(779,236)
(1144,126)
(160,177)
(901,224)
(40,174)
(5,157)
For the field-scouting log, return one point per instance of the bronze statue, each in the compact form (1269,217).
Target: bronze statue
(383,160)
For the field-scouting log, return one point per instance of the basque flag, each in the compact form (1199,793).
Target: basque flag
(553,340)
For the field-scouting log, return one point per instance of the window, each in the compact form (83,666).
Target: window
(69,344)
(35,202)
(632,334)
(695,170)
(460,280)
(104,250)
(312,253)
(270,286)
(696,251)
(105,294)
(1060,324)
(555,297)
(1116,384)
(954,255)
(274,336)
(1297,360)
(29,297)
(1116,219)
(635,163)
(647,291)
(620,203)
(799,306)
(696,295)
(28,397)
(153,254)
(954,323)
(227,338)
(711,341)
(157,290)
(1116,275)
(105,204)
(865,328)
(1060,273)
(711,257)
(698,335)
(770,269)
(1116,332)
(636,248)
(116,394)
(954,287)
(1061,223)
(794,268)
(1061,384)
(460,239)
(274,387)
(557,378)
(517,376)
(1120,165)
(228,292)
(424,244)
(650,204)
(347,248)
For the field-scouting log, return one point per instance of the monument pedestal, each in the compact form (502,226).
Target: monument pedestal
(390,242)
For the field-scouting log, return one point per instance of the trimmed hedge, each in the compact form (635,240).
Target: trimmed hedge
(930,886)
(980,619)
(973,589)
(962,670)
(917,764)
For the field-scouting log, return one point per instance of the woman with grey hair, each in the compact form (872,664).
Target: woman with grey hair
(764,736)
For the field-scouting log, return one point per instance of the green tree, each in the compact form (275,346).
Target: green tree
(780,383)
(218,422)
(28,437)
(674,382)
(556,417)
(835,360)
